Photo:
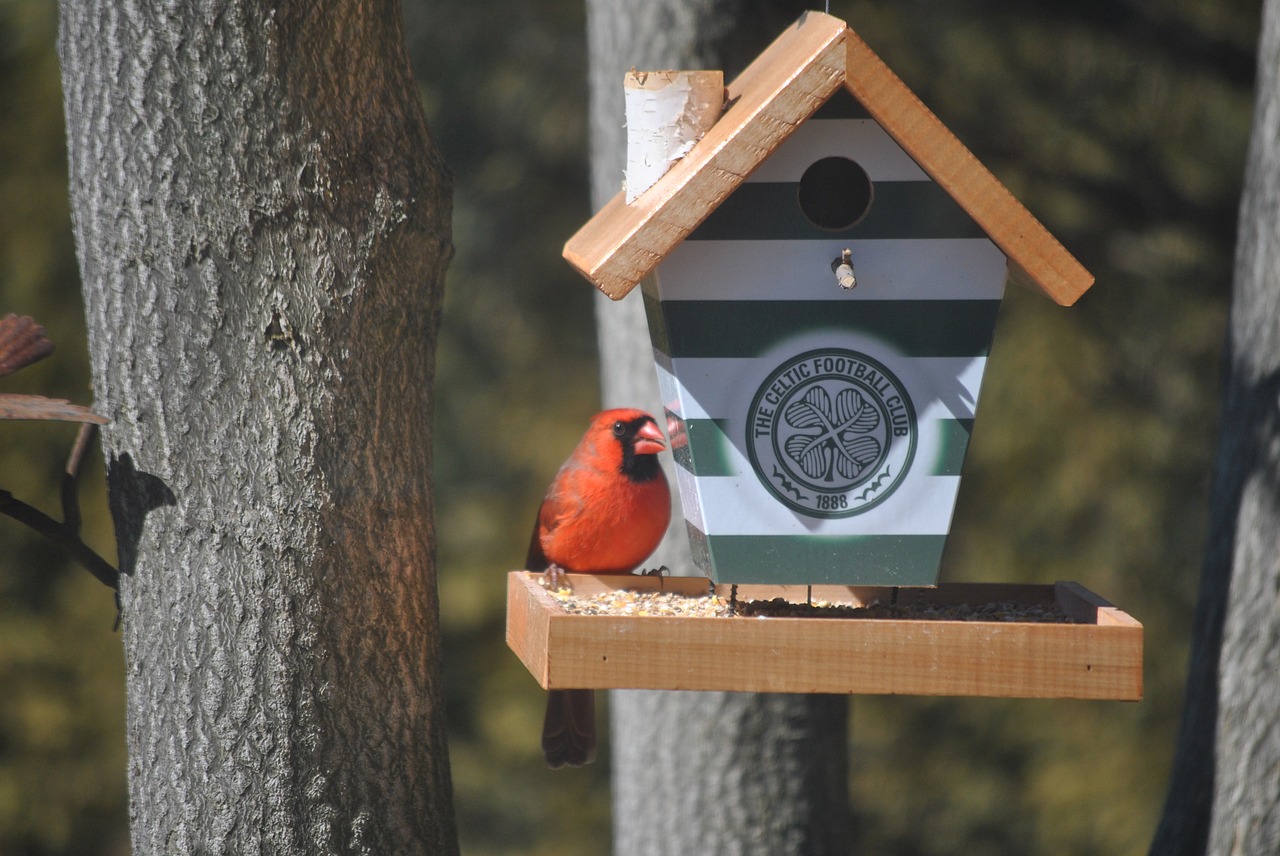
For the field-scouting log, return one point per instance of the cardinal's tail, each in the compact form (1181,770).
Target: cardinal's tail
(569,729)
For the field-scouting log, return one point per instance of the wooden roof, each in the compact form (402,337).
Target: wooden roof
(794,76)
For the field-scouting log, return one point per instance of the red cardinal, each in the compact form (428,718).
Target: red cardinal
(604,513)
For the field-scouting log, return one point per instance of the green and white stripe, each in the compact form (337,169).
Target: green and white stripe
(712,399)
(887,268)
(902,209)
(879,560)
(752,287)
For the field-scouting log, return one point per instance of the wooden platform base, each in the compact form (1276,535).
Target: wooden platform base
(1099,656)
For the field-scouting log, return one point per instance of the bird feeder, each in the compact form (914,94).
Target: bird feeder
(821,270)
(819,428)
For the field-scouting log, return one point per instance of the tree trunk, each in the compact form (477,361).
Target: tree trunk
(1226,783)
(262,223)
(700,772)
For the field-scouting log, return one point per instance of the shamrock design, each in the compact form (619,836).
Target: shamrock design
(833,438)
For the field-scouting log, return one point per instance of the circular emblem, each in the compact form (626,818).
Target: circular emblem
(831,433)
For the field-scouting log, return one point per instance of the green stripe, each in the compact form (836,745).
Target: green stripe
(770,211)
(749,328)
(954,443)
(657,323)
(841,105)
(873,560)
(709,452)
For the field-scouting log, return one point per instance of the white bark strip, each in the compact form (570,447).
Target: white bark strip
(667,113)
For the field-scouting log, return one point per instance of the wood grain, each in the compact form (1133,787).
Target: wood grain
(617,247)
(1036,259)
(623,242)
(1101,659)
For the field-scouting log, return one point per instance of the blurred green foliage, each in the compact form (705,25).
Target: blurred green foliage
(1121,124)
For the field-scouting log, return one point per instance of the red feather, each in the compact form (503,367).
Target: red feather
(605,512)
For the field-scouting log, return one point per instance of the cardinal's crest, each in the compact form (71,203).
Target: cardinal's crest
(831,432)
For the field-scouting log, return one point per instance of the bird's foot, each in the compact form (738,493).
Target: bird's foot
(556,578)
(655,572)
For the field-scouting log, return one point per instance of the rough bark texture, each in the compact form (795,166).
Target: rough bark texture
(1226,783)
(1246,812)
(731,773)
(704,773)
(263,225)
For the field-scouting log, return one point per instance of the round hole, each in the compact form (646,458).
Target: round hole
(834,193)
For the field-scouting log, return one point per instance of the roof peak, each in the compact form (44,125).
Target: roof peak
(781,89)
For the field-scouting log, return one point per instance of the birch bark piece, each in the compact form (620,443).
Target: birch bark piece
(667,113)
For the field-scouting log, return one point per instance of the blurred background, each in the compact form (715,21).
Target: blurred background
(1121,124)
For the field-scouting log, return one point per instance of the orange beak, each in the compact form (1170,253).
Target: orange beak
(649,439)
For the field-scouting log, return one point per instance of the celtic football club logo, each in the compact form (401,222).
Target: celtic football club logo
(831,433)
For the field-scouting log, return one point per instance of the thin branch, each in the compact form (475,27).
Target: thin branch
(23,342)
(71,479)
(42,523)
(15,406)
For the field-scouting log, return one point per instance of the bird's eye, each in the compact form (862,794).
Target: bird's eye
(619,429)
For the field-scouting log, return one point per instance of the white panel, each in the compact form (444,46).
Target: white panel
(669,389)
(941,387)
(922,505)
(861,140)
(739,504)
(937,269)
(928,448)
(690,501)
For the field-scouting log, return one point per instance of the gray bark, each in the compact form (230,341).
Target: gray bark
(1225,791)
(262,224)
(693,772)
(1246,812)
(730,773)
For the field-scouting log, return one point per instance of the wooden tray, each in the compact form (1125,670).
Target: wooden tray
(1099,656)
